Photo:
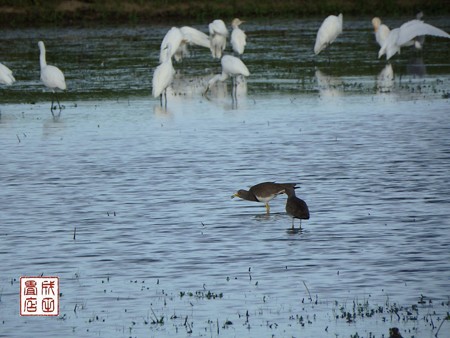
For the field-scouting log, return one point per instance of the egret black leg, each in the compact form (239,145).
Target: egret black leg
(59,105)
(51,107)
(234,92)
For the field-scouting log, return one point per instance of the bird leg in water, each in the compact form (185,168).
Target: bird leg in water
(267,208)
(54,107)
(293,225)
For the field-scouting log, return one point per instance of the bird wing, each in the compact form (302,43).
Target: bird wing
(53,77)
(328,32)
(234,66)
(218,27)
(5,69)
(162,77)
(6,76)
(390,46)
(195,37)
(173,37)
(411,29)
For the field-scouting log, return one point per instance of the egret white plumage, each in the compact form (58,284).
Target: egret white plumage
(399,37)
(330,29)
(231,67)
(163,76)
(51,76)
(195,37)
(174,38)
(238,37)
(6,75)
(381,30)
(191,36)
(218,34)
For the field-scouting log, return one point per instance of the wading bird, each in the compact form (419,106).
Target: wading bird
(264,192)
(238,37)
(296,207)
(52,77)
(218,34)
(328,32)
(402,36)
(381,30)
(6,76)
(231,66)
(163,77)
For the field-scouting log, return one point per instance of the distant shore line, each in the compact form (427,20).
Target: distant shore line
(15,14)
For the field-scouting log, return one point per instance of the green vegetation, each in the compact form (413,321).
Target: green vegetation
(19,13)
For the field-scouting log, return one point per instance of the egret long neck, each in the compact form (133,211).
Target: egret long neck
(42,57)
(218,77)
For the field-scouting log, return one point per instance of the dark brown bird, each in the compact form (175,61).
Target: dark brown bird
(296,207)
(264,192)
(394,332)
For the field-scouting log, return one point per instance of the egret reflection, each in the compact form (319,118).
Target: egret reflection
(416,67)
(385,79)
(329,86)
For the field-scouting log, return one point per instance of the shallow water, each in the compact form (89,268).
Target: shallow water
(146,190)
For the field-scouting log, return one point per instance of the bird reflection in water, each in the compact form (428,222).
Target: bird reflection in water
(416,67)
(329,86)
(385,79)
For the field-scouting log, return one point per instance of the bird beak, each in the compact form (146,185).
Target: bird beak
(234,195)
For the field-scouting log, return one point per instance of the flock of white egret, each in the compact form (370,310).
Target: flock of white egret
(175,44)
(52,77)
(176,41)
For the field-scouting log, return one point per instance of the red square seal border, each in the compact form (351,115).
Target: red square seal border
(39,296)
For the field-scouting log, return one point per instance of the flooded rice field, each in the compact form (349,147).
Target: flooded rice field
(128,203)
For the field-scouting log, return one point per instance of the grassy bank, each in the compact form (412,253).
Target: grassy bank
(25,13)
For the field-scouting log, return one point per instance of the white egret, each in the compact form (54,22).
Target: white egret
(381,30)
(6,76)
(51,76)
(238,37)
(328,32)
(231,67)
(400,37)
(174,38)
(163,76)
(218,33)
